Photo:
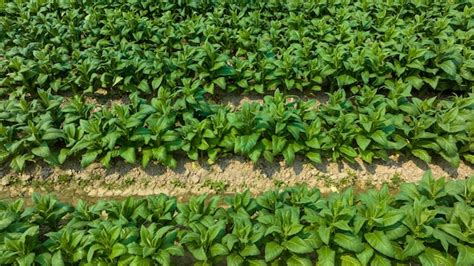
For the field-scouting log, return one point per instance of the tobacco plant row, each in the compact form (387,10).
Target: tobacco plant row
(431,223)
(182,122)
(305,45)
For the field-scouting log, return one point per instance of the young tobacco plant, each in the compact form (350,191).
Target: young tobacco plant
(155,246)
(285,242)
(243,242)
(204,240)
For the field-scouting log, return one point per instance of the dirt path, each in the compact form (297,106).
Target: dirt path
(230,175)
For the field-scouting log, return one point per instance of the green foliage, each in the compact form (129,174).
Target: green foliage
(429,224)
(370,126)
(140,46)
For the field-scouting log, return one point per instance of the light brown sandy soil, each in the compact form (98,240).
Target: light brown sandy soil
(70,182)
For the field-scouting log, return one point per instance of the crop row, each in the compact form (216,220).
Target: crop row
(430,223)
(183,122)
(141,46)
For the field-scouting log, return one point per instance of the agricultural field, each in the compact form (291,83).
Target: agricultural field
(331,132)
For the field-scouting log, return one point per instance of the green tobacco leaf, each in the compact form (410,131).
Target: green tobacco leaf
(156,83)
(380,137)
(234,260)
(466,255)
(289,154)
(298,261)
(349,151)
(366,255)
(380,242)
(118,250)
(326,256)
(379,260)
(413,247)
(314,157)
(348,260)
(422,154)
(128,153)
(349,242)
(344,80)
(89,157)
(362,141)
(250,250)
(433,257)
(220,82)
(449,67)
(297,245)
(143,86)
(57,259)
(198,253)
(218,250)
(278,144)
(324,233)
(272,251)
(392,217)
(42,151)
(313,143)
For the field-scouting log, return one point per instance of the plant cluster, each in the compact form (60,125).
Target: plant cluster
(430,223)
(305,45)
(369,126)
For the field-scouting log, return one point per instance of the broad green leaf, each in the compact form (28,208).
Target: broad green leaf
(314,157)
(413,247)
(349,242)
(421,154)
(218,250)
(278,144)
(466,255)
(348,260)
(433,257)
(362,141)
(144,87)
(128,153)
(379,241)
(324,233)
(57,259)
(379,260)
(198,253)
(220,82)
(272,251)
(326,256)
(349,151)
(344,80)
(449,67)
(89,157)
(297,245)
(296,260)
(42,151)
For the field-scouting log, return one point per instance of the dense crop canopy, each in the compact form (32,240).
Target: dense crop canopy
(313,45)
(430,223)
(369,126)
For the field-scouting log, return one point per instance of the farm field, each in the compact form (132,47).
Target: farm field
(236,133)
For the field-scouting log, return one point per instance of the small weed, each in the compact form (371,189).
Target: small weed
(218,186)
(129,181)
(395,181)
(178,183)
(95,176)
(63,179)
(278,183)
(348,180)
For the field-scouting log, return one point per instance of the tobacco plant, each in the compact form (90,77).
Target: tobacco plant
(429,223)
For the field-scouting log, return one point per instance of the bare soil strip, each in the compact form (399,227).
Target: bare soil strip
(230,175)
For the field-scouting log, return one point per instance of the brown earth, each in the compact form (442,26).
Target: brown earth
(230,175)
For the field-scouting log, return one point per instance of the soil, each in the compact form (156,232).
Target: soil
(230,175)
